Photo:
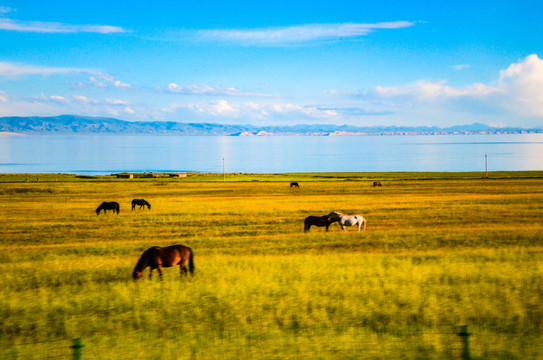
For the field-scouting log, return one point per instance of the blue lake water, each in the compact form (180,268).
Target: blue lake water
(106,154)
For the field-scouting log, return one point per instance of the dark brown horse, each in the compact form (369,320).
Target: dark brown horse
(142,203)
(294,184)
(376,183)
(317,221)
(159,257)
(108,206)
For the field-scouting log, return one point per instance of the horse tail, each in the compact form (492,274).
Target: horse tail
(117,208)
(191,262)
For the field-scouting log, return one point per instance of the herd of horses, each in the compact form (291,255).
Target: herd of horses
(327,220)
(158,257)
(116,207)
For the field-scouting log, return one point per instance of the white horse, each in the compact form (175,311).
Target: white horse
(348,220)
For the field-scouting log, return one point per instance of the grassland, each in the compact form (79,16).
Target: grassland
(440,250)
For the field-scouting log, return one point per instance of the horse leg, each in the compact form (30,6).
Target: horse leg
(342,227)
(182,269)
(159,268)
(151,273)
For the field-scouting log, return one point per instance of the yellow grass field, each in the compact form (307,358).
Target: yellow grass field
(440,251)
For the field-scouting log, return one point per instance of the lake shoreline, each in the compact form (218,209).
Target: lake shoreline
(300,177)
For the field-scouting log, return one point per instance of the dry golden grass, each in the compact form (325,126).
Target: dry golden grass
(437,253)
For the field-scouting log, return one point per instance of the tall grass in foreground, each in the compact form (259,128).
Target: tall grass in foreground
(436,254)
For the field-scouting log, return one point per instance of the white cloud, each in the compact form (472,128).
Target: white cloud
(96,82)
(523,82)
(81,99)
(216,90)
(116,102)
(3,97)
(60,99)
(103,80)
(297,34)
(221,107)
(57,104)
(11,69)
(460,67)
(55,27)
(517,91)
(251,111)
(5,9)
(119,84)
(425,91)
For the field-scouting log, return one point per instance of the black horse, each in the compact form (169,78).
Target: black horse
(141,202)
(377,184)
(294,184)
(317,221)
(108,206)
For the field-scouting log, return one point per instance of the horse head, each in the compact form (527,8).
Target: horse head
(99,208)
(334,216)
(137,274)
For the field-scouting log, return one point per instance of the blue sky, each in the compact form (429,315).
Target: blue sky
(364,63)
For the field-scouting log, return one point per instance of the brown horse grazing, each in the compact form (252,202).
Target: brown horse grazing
(294,184)
(376,183)
(317,221)
(159,257)
(142,204)
(108,206)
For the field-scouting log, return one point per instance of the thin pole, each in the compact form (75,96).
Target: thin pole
(77,348)
(486,166)
(465,342)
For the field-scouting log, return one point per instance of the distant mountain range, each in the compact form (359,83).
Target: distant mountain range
(72,124)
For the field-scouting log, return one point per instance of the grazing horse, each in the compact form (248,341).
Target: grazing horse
(159,257)
(377,183)
(108,206)
(295,184)
(348,220)
(317,221)
(142,203)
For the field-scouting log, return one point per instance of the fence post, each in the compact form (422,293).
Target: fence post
(77,349)
(464,334)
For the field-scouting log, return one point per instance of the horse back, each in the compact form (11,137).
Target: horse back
(173,255)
